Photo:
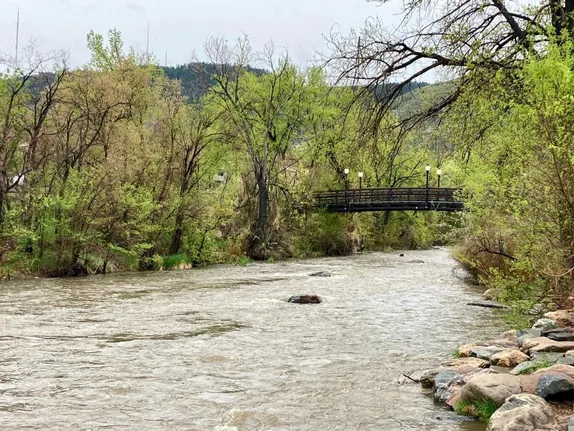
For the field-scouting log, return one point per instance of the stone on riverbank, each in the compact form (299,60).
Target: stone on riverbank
(508,358)
(305,299)
(491,387)
(442,383)
(561,317)
(545,324)
(543,344)
(492,294)
(559,334)
(524,412)
(547,357)
(508,340)
(460,365)
(527,334)
(555,381)
(486,353)
(526,367)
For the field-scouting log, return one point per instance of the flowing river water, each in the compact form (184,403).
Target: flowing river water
(221,349)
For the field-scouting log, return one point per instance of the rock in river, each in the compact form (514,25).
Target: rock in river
(305,299)
(321,274)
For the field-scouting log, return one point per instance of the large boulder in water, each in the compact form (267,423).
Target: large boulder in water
(305,299)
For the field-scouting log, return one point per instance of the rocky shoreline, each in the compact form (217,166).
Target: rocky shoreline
(522,381)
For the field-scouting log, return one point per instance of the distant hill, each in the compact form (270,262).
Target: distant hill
(194,76)
(423,98)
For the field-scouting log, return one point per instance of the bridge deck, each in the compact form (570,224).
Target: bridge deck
(389,199)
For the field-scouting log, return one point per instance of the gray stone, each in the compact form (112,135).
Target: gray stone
(566,360)
(524,412)
(442,382)
(485,353)
(305,299)
(550,357)
(545,324)
(489,304)
(321,274)
(525,368)
(559,334)
(571,423)
(526,334)
(554,385)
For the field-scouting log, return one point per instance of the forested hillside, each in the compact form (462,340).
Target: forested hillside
(196,78)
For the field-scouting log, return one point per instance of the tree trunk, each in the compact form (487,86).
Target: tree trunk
(177,235)
(260,240)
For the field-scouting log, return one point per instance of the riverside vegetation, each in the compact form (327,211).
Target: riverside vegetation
(110,167)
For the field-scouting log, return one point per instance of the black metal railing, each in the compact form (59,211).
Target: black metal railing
(389,199)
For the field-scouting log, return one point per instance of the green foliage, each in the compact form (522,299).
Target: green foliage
(518,233)
(455,353)
(175,261)
(481,410)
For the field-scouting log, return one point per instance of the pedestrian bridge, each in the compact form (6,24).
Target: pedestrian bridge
(389,199)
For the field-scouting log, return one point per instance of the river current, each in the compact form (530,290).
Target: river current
(221,349)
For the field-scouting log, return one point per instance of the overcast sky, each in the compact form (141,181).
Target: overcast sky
(181,26)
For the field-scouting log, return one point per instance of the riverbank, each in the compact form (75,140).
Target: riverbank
(520,381)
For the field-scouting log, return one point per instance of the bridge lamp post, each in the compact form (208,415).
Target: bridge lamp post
(439,173)
(361,175)
(346,171)
(427,168)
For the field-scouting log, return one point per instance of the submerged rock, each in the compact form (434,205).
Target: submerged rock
(524,412)
(305,299)
(321,274)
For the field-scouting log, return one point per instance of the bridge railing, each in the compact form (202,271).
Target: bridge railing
(416,198)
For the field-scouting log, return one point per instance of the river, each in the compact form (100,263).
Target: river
(221,349)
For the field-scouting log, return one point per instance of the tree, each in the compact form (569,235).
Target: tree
(266,114)
(467,40)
